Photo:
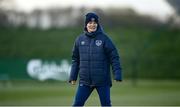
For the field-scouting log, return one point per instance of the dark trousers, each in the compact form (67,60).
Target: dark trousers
(84,91)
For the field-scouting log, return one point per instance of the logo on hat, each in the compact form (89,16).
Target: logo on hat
(98,42)
(92,19)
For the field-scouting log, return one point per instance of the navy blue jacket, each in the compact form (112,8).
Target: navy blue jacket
(93,53)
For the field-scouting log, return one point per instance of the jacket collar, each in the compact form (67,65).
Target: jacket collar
(93,34)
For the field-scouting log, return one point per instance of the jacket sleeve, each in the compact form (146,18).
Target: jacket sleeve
(113,57)
(75,62)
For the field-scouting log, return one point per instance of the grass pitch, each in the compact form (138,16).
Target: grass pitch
(146,93)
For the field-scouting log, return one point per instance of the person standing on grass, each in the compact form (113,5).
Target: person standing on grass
(92,55)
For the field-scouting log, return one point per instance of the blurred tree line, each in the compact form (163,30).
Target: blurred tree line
(70,17)
(67,17)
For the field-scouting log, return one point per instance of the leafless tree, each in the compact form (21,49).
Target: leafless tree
(174,21)
(5,5)
(3,16)
(175,4)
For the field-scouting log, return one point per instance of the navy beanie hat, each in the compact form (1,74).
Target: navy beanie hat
(91,17)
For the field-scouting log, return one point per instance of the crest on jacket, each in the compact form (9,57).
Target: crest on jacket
(82,42)
(98,42)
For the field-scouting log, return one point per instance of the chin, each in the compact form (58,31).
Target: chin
(93,30)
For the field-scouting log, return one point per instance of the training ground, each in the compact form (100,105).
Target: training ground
(53,93)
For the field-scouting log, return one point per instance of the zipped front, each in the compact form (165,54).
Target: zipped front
(90,62)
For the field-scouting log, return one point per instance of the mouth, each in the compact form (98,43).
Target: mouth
(93,28)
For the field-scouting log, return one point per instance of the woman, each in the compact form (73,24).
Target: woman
(93,53)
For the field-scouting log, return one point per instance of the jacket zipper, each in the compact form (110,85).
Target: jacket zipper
(90,79)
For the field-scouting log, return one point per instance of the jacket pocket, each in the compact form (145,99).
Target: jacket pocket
(83,74)
(98,76)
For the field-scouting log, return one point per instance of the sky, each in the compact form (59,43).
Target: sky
(159,8)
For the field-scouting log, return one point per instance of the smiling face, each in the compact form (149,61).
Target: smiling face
(91,26)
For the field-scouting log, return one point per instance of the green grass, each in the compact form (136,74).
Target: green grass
(147,92)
